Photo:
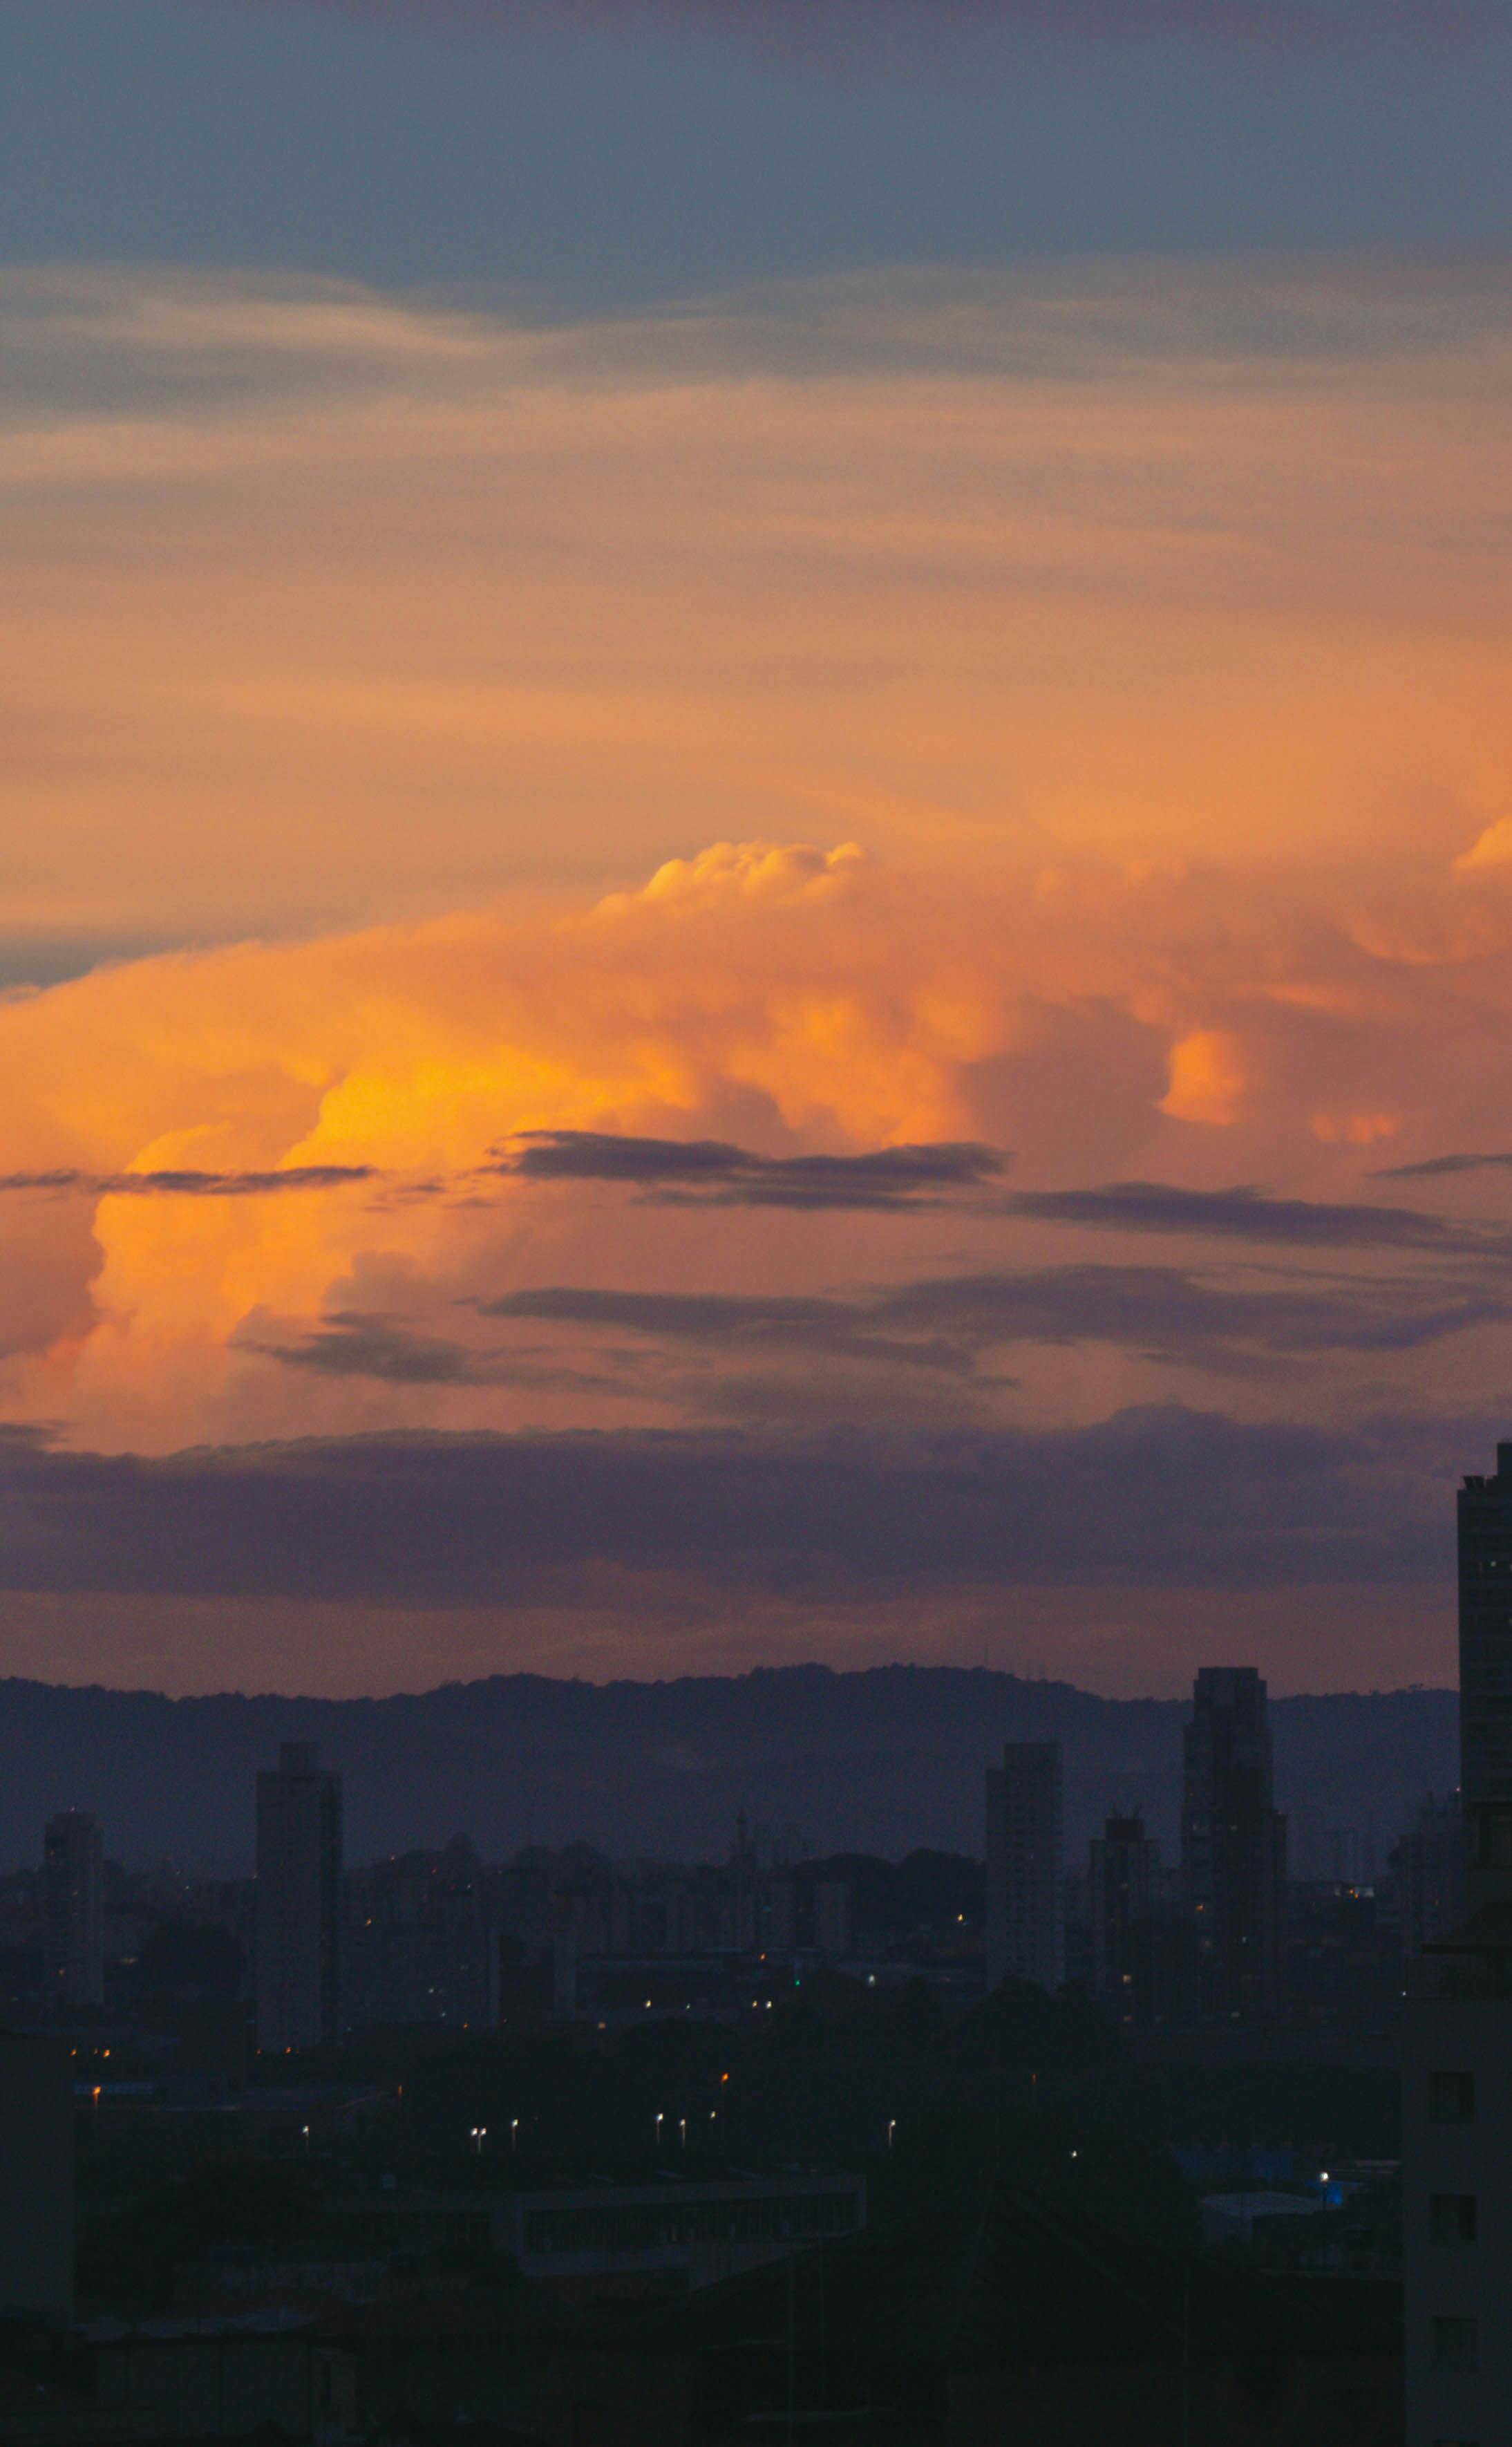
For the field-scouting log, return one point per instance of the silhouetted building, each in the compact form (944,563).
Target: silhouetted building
(298,1898)
(1456,2038)
(1486,1678)
(73,1910)
(1431,1874)
(1025,1814)
(1121,1869)
(1234,1848)
(36,2179)
(420,1948)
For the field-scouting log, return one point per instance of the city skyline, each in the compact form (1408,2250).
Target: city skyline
(755,899)
(755,1213)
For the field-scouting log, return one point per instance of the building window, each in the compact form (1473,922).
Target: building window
(1456,2343)
(1452,2218)
(1451,2098)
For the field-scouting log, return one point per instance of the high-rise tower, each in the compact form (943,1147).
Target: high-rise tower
(1121,1869)
(1457,2035)
(1485,1680)
(298,1898)
(1025,1937)
(1234,1848)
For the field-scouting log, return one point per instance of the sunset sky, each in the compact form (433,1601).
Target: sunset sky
(755,835)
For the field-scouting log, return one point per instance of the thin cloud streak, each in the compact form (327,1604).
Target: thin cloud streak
(1440,1168)
(355,1343)
(190,1182)
(713,1172)
(1244,1214)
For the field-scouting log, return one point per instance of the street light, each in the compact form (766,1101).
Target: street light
(892,2127)
(681,2132)
(514,2131)
(660,2120)
(479,2135)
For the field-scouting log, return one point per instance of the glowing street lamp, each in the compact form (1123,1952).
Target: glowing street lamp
(892,2127)
(660,2122)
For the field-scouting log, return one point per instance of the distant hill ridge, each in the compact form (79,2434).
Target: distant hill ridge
(881,1760)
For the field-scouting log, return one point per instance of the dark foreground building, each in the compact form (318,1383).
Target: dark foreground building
(36,2181)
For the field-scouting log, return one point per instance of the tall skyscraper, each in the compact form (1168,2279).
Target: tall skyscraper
(1456,2038)
(1121,1890)
(298,1898)
(73,1909)
(1485,1678)
(1026,1933)
(1234,1848)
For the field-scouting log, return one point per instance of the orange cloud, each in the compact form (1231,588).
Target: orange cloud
(1207,1078)
(1130,648)
(794,998)
(1117,567)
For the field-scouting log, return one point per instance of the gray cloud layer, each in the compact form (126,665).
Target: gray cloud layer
(1242,1214)
(1165,1309)
(359,1342)
(191,1184)
(712,1172)
(1440,1166)
(947,1326)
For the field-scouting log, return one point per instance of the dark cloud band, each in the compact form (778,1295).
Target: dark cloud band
(1159,1495)
(1238,1214)
(712,1172)
(192,1183)
(1440,1168)
(1165,1311)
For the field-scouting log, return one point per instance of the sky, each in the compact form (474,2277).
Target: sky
(755,835)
